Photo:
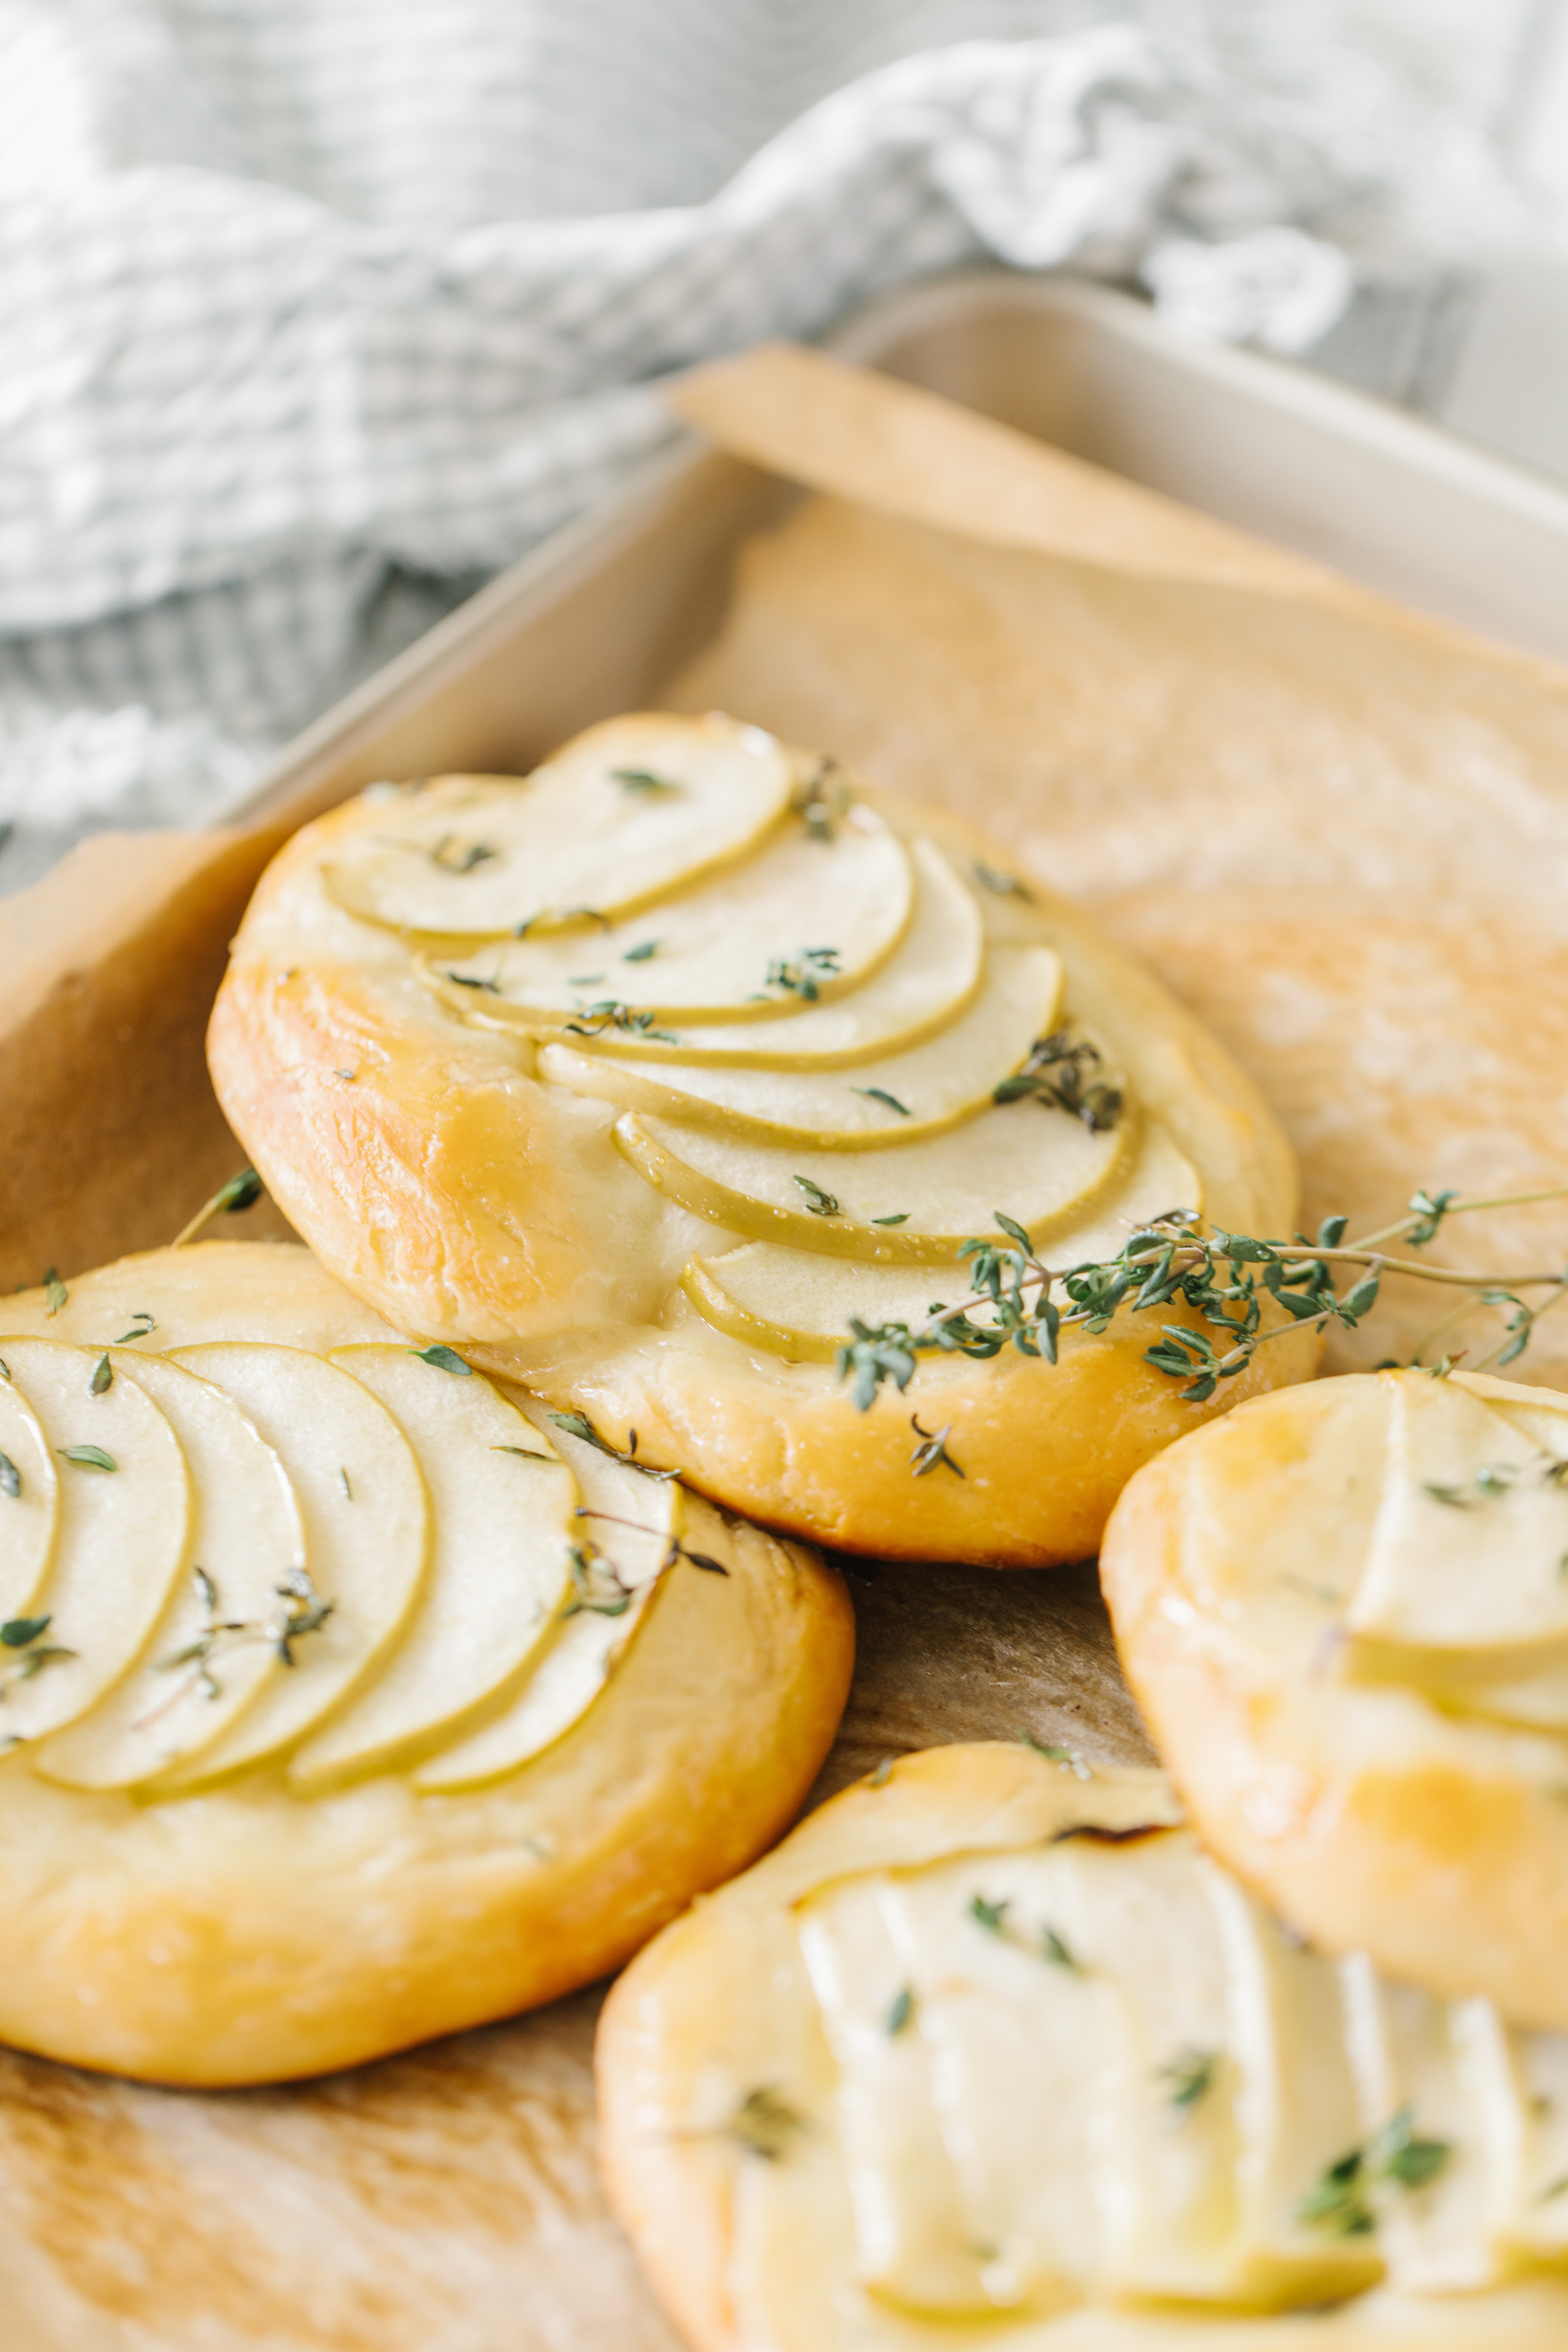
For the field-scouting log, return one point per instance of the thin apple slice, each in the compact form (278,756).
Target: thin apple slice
(629,812)
(630,1522)
(30,1502)
(912,2238)
(1436,2217)
(795,1303)
(1295,2101)
(1025,2053)
(505,1520)
(899,1096)
(913,1203)
(213,1650)
(366,1518)
(124,1535)
(1467,1550)
(928,980)
(802,922)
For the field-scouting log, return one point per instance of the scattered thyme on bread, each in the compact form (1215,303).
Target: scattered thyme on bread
(1227,1279)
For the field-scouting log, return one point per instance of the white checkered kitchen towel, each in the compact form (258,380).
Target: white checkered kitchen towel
(313,312)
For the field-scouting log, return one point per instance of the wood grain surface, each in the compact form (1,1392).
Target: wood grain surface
(448,2201)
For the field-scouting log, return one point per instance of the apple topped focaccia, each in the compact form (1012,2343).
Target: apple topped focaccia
(991,2053)
(1345,1615)
(686,1077)
(345,1698)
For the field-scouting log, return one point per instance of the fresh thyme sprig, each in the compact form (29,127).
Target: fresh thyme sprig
(765,2124)
(1192,2075)
(577,1424)
(1063,1076)
(1225,1279)
(1340,2202)
(241,1192)
(817,805)
(804,975)
(301,1610)
(25,1651)
(674,1549)
(610,1013)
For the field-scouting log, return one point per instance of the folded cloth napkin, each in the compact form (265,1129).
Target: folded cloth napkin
(314,312)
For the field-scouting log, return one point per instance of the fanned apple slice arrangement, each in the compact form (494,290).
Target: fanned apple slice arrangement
(242,1554)
(821,1035)
(346,1698)
(1027,2054)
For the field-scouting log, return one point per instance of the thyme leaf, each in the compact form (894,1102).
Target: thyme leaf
(55,1293)
(577,1424)
(1056,1948)
(141,1324)
(1069,1761)
(643,782)
(609,1013)
(818,1203)
(902,2009)
(820,805)
(765,2124)
(10,1482)
(1000,885)
(444,1360)
(804,975)
(595,1584)
(22,1639)
(1061,1074)
(88,1457)
(880,1094)
(991,1916)
(932,1453)
(901,1219)
(464,860)
(641,954)
(523,1453)
(472,980)
(103,1376)
(1340,2202)
(241,1192)
(1192,2075)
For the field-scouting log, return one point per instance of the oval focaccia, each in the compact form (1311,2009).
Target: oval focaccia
(667,1074)
(348,1697)
(1346,1616)
(991,2053)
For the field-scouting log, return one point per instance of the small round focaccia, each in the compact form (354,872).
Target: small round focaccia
(1344,1612)
(990,2053)
(347,1697)
(662,1152)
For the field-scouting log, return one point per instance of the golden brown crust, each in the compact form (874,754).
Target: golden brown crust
(1362,1813)
(447,1187)
(248,1936)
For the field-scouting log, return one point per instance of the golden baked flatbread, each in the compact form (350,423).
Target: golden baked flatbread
(1345,1615)
(665,1139)
(989,2051)
(347,1698)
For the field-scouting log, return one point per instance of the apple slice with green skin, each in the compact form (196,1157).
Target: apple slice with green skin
(504,1521)
(901,1096)
(802,922)
(628,1523)
(29,1504)
(911,1203)
(929,979)
(366,1517)
(125,1531)
(797,1304)
(1468,1550)
(631,810)
(210,1655)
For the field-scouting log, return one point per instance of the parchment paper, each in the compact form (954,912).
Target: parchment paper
(1340,831)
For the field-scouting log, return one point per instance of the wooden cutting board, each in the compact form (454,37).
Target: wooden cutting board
(448,2201)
